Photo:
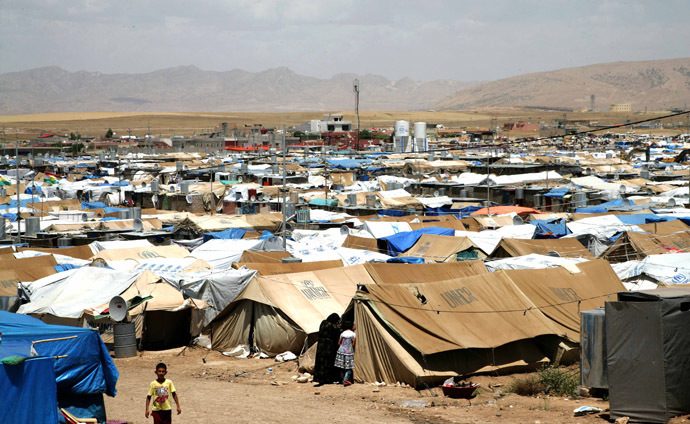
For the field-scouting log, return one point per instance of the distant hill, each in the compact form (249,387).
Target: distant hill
(188,89)
(655,85)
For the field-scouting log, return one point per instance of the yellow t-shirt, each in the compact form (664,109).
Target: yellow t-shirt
(161,393)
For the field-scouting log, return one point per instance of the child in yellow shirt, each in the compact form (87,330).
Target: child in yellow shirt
(161,389)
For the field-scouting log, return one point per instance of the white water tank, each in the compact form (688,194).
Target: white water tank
(402,128)
(420,136)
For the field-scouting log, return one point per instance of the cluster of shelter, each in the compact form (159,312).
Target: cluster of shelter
(449,263)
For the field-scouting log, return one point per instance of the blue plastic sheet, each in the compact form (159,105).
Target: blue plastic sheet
(604,207)
(348,163)
(557,192)
(93,205)
(88,368)
(29,392)
(407,260)
(554,228)
(265,235)
(398,243)
(229,234)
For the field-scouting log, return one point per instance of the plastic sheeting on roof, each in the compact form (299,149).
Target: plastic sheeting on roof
(400,242)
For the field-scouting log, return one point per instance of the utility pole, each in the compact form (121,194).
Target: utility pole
(488,184)
(16,166)
(355,88)
(284,190)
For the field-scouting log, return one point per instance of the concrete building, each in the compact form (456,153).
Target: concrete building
(621,107)
(330,123)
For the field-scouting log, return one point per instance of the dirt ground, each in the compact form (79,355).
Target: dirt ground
(224,390)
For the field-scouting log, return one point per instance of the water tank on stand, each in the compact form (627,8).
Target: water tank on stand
(463,193)
(124,214)
(371,200)
(579,199)
(420,144)
(303,216)
(32,225)
(179,166)
(644,173)
(519,193)
(3,233)
(136,213)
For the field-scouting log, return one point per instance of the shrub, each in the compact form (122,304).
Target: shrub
(559,381)
(529,386)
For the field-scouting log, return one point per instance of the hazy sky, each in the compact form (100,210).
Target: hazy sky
(422,39)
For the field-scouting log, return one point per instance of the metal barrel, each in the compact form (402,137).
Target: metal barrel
(125,340)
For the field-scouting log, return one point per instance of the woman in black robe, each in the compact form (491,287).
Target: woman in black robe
(324,368)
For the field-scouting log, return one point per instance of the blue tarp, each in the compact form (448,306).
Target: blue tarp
(64,267)
(391,212)
(398,243)
(88,368)
(265,235)
(604,206)
(33,189)
(556,227)
(557,192)
(322,202)
(406,260)
(93,205)
(29,393)
(348,163)
(81,378)
(116,184)
(229,234)
(642,218)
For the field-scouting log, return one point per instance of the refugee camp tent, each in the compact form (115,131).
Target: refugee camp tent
(565,247)
(635,246)
(143,253)
(437,248)
(288,268)
(163,318)
(561,293)
(422,333)
(276,313)
(392,273)
(79,380)
(647,361)
(263,257)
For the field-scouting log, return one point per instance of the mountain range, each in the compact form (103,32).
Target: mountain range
(652,85)
(190,89)
(658,84)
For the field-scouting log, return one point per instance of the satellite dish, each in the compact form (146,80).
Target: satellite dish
(84,217)
(117,308)
(288,226)
(143,185)
(379,204)
(240,179)
(252,198)
(671,202)
(138,225)
(621,189)
(554,254)
(436,193)
(517,220)
(344,230)
(99,263)
(346,202)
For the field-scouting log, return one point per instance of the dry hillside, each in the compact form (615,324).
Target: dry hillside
(652,85)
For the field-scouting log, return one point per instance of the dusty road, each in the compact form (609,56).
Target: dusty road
(229,390)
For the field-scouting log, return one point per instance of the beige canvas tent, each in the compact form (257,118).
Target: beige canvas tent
(570,248)
(276,313)
(149,252)
(636,246)
(422,333)
(164,321)
(290,268)
(435,248)
(392,273)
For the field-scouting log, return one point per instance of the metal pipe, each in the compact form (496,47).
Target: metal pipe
(284,192)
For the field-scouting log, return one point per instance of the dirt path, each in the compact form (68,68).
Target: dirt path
(229,390)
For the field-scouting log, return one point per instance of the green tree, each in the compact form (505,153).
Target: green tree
(109,133)
(72,136)
(366,135)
